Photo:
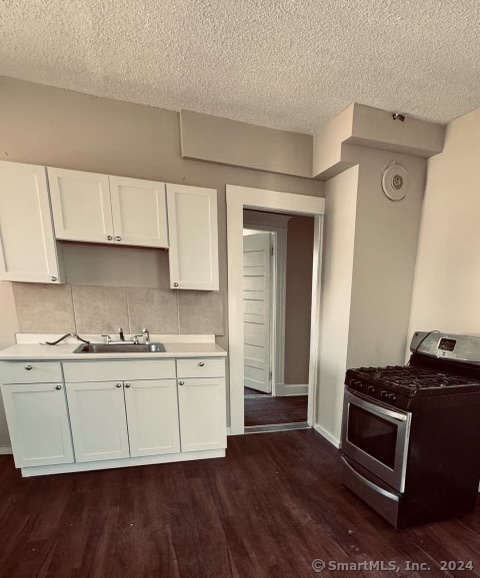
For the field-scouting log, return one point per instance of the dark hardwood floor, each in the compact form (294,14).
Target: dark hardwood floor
(263,410)
(270,508)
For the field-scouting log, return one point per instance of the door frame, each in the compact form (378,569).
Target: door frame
(238,199)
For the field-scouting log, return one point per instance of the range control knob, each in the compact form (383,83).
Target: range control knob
(384,394)
(359,384)
(371,389)
(392,397)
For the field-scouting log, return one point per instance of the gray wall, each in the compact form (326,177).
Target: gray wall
(298,306)
(49,126)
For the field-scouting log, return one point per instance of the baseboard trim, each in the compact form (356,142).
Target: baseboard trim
(288,389)
(327,435)
(277,427)
(121,463)
(5,450)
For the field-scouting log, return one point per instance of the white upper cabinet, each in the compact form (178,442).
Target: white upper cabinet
(193,233)
(139,212)
(81,206)
(28,250)
(105,209)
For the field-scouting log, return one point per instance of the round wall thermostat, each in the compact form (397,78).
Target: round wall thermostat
(395,182)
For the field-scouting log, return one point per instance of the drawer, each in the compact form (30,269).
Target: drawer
(114,370)
(30,372)
(201,367)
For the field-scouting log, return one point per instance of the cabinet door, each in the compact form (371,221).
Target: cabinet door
(81,206)
(202,409)
(37,420)
(99,424)
(152,415)
(193,233)
(28,250)
(139,212)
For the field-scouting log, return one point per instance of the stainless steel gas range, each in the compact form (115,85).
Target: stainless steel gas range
(411,434)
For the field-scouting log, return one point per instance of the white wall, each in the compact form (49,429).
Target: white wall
(338,249)
(446,293)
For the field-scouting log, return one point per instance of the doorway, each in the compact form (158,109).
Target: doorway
(277,289)
(247,365)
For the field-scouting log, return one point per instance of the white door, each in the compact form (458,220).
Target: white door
(99,423)
(38,424)
(193,235)
(202,409)
(139,210)
(152,416)
(81,206)
(28,250)
(257,310)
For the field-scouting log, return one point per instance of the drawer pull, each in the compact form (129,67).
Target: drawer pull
(181,383)
(201,363)
(58,387)
(28,367)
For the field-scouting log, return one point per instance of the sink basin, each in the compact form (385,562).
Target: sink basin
(120,348)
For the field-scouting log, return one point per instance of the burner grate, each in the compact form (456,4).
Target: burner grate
(413,378)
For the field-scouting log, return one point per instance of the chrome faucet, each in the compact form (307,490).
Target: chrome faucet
(146,335)
(120,333)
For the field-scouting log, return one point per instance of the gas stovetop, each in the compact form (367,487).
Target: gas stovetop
(407,379)
(440,364)
(398,385)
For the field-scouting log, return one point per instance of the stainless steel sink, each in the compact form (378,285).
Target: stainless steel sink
(121,348)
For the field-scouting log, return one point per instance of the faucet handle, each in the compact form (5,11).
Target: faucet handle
(108,339)
(146,335)
(120,333)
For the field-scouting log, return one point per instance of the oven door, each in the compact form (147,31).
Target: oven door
(376,437)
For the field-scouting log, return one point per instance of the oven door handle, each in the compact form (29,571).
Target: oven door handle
(370,484)
(376,409)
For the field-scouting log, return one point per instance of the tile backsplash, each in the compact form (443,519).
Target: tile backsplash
(93,309)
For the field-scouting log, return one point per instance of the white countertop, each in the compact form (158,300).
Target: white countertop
(65,351)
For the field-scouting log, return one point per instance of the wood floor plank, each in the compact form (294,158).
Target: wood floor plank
(271,507)
(265,410)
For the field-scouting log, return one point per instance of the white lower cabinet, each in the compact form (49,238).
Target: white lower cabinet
(152,414)
(113,413)
(202,409)
(98,420)
(38,424)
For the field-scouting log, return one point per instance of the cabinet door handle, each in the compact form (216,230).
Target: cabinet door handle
(118,385)
(127,385)
(175,284)
(58,387)
(117,238)
(53,278)
(201,363)
(28,367)
(181,383)
(109,238)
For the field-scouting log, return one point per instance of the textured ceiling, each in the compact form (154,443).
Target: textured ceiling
(290,64)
